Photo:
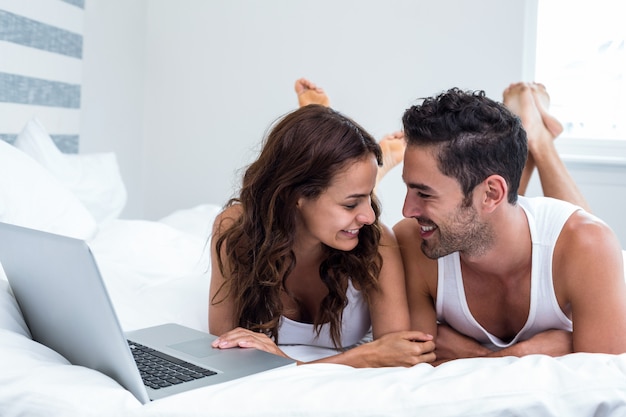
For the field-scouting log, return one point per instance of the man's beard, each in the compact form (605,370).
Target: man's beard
(464,233)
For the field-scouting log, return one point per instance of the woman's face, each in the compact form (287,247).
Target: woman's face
(338,214)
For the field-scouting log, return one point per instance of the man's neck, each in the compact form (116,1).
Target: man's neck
(511,250)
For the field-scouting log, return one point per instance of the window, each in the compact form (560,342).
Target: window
(581,58)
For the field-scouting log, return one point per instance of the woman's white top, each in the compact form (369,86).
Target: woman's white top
(355,324)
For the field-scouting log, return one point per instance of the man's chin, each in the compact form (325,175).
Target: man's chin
(432,253)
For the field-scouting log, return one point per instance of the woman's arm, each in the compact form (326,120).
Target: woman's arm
(389,309)
(394,345)
(221,306)
(405,348)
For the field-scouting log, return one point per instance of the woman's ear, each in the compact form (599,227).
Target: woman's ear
(495,192)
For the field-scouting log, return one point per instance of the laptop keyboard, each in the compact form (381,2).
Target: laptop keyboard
(160,370)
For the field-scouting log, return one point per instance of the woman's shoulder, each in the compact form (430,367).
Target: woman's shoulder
(227,217)
(387,236)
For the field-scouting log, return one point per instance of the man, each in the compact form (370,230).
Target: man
(490,273)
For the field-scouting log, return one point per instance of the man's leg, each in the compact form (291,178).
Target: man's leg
(530,102)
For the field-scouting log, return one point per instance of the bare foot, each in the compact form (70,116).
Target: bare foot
(519,98)
(542,100)
(530,102)
(309,93)
(393,146)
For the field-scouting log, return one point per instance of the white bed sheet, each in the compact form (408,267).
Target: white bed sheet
(157,272)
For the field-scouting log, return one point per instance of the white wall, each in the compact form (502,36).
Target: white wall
(219,72)
(112,97)
(183,90)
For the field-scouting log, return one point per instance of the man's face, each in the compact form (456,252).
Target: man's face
(436,201)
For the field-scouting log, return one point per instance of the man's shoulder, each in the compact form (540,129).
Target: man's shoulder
(541,205)
(548,214)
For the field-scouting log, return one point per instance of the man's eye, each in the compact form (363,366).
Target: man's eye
(423,195)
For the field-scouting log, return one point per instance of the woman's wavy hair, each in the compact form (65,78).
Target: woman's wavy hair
(300,157)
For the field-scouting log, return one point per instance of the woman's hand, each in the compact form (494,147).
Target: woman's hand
(245,338)
(404,348)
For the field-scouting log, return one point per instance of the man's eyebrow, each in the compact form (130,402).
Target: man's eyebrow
(419,186)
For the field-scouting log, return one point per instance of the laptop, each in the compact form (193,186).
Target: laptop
(64,301)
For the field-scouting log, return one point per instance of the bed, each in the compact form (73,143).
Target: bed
(157,272)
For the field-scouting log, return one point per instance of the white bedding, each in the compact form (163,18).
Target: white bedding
(157,272)
(146,263)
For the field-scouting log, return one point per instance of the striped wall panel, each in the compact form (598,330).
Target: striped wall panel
(41,48)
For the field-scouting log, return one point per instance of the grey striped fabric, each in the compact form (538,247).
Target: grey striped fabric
(27,32)
(27,90)
(77,3)
(41,68)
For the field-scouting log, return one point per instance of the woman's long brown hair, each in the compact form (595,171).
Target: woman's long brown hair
(300,157)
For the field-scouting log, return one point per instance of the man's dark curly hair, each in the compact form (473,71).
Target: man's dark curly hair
(474,137)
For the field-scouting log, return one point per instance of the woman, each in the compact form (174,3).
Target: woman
(301,258)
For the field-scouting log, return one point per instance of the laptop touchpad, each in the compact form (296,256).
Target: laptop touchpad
(200,348)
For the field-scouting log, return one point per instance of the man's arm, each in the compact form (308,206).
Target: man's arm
(453,345)
(421,282)
(588,274)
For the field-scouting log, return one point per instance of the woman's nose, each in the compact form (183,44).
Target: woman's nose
(367,216)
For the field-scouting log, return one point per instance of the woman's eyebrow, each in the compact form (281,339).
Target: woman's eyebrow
(357,195)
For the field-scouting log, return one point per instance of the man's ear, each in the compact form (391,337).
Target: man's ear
(495,192)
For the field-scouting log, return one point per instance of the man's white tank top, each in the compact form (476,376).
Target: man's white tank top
(546,217)
(355,325)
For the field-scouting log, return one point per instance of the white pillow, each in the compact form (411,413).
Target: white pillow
(10,314)
(197,221)
(94,178)
(98,184)
(31,197)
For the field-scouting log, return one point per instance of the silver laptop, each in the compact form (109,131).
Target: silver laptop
(59,289)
